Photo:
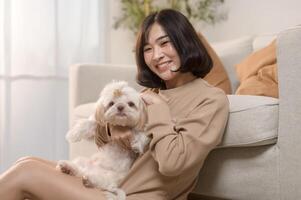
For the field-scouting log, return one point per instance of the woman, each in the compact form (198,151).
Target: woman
(186,119)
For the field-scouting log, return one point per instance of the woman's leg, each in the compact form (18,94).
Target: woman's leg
(38,179)
(31,158)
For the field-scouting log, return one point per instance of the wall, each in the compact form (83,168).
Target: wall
(255,17)
(244,18)
(121,41)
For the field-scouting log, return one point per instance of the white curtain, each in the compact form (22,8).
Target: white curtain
(39,40)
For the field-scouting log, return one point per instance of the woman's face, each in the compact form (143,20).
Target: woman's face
(161,56)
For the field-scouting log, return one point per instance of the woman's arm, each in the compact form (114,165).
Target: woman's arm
(177,146)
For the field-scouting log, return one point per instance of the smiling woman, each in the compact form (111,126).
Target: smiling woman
(38,41)
(170,51)
(161,56)
(186,115)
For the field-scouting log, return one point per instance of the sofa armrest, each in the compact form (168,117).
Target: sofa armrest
(87,80)
(289,132)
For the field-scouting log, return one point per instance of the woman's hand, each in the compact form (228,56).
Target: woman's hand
(122,136)
(150,97)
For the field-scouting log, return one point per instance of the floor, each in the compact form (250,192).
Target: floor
(203,197)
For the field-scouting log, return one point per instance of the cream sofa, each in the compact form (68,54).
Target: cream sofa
(260,155)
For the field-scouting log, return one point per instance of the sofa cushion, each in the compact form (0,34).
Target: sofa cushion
(217,76)
(262,40)
(257,73)
(253,120)
(84,111)
(232,52)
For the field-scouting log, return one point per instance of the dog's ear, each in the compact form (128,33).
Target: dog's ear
(101,135)
(143,116)
(99,113)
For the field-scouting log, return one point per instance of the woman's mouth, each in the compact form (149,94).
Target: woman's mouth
(162,67)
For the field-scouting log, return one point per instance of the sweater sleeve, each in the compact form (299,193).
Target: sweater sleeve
(177,145)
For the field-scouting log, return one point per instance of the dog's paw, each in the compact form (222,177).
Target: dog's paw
(64,167)
(73,136)
(137,149)
(87,183)
(110,196)
(115,194)
(140,143)
(83,129)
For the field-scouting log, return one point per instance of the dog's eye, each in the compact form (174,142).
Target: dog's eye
(131,104)
(111,104)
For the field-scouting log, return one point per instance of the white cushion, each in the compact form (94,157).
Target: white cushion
(253,121)
(233,52)
(84,111)
(263,40)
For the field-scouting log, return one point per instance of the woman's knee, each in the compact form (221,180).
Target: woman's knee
(36,159)
(20,172)
(26,159)
(28,167)
(25,165)
(23,174)
(27,171)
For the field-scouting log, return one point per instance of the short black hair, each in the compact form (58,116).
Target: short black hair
(192,52)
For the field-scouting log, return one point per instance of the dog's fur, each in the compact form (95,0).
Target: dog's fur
(118,105)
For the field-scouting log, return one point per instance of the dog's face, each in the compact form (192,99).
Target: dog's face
(121,105)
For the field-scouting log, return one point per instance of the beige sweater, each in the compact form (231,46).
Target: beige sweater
(183,133)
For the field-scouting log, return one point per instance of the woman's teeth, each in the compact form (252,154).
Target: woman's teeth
(163,66)
(173,68)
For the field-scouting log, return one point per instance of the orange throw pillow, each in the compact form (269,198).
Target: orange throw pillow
(258,73)
(217,76)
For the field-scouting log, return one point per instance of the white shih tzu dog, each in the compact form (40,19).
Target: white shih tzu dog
(119,105)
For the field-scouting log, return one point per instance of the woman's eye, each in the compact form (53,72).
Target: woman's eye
(164,43)
(147,49)
(131,104)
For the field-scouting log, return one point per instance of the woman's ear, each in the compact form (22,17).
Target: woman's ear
(143,116)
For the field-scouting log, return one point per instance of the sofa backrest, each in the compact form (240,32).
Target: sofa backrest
(234,51)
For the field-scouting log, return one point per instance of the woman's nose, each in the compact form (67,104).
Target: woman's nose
(158,54)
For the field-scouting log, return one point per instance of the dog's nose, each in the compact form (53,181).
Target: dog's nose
(120,108)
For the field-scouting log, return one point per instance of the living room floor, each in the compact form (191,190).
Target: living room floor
(203,197)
